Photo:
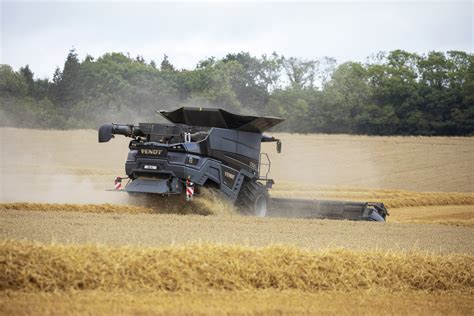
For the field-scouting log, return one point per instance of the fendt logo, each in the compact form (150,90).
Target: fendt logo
(229,175)
(156,152)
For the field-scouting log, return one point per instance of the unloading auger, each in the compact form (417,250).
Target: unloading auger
(215,148)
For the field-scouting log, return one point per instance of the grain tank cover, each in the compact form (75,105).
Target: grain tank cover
(209,117)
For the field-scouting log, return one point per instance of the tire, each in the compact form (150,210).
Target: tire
(253,199)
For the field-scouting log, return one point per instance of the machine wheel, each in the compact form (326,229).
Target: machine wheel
(253,199)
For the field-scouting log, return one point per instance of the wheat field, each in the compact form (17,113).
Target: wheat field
(262,302)
(34,267)
(67,246)
(450,208)
(57,279)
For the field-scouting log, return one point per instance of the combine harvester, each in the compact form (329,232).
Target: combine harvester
(218,149)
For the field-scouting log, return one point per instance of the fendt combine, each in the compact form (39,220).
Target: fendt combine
(218,149)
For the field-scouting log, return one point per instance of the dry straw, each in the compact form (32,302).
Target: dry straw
(89,208)
(209,203)
(34,267)
(258,302)
(390,197)
(212,203)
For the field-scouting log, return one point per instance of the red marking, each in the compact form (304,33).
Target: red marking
(189,190)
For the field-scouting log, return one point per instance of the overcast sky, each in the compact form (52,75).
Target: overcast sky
(41,33)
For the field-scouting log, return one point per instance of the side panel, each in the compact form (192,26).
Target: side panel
(223,140)
(229,176)
(237,149)
(204,170)
(248,144)
(232,181)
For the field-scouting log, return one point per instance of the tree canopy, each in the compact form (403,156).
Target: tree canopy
(394,93)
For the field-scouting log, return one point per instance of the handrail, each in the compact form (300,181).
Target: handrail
(268,163)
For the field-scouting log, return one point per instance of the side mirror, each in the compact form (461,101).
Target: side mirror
(105,133)
(278,146)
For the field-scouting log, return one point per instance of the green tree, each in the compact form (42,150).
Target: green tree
(65,83)
(392,93)
(251,83)
(12,83)
(300,73)
(218,88)
(394,84)
(166,65)
(442,80)
(28,75)
(344,98)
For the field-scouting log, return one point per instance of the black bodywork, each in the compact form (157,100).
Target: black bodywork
(207,146)
(213,147)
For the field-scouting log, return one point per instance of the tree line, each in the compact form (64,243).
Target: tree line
(394,93)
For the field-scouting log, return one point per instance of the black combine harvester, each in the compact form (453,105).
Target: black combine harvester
(215,148)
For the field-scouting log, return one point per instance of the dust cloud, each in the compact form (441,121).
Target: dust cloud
(72,167)
(57,167)
(56,188)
